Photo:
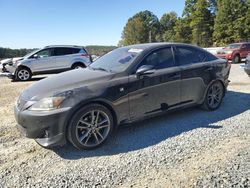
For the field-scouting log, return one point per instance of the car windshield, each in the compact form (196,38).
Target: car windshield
(233,46)
(117,60)
(31,53)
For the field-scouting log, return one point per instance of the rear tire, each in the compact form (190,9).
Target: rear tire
(78,66)
(23,74)
(90,127)
(214,96)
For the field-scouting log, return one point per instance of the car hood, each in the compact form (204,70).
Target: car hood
(66,81)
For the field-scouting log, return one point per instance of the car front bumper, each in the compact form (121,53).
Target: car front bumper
(47,128)
(7,70)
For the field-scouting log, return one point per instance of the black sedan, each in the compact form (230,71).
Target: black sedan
(128,84)
(247,65)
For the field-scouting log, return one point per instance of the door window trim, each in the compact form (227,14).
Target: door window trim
(135,67)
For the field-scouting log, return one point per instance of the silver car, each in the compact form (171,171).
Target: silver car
(50,59)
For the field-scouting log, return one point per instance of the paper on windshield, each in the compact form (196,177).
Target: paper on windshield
(134,50)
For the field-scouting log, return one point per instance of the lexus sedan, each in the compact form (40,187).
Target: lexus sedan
(247,65)
(128,84)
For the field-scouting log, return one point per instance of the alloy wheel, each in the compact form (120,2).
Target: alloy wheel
(93,128)
(23,74)
(215,95)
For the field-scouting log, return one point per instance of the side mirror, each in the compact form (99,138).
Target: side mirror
(145,70)
(36,56)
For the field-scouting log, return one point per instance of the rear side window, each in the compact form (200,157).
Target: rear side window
(210,57)
(248,46)
(82,51)
(188,55)
(66,51)
(160,59)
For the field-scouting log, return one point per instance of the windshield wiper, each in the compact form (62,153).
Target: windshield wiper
(100,68)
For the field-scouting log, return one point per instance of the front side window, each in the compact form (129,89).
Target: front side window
(160,59)
(44,53)
(189,55)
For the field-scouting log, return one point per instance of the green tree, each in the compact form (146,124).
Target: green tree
(232,21)
(201,24)
(167,24)
(140,28)
(182,31)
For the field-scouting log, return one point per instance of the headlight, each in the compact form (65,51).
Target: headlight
(50,103)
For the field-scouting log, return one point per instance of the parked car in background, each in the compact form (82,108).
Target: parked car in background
(7,61)
(51,59)
(247,65)
(128,84)
(235,52)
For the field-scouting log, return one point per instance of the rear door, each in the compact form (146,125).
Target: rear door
(196,73)
(64,57)
(158,91)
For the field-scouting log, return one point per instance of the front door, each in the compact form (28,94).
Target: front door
(158,91)
(43,60)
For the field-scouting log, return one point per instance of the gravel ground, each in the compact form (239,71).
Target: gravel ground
(189,148)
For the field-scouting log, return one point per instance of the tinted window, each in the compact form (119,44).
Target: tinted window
(189,55)
(210,57)
(247,46)
(45,53)
(160,59)
(66,51)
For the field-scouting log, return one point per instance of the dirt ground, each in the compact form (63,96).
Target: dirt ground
(199,157)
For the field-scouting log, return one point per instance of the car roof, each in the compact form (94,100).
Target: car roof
(62,46)
(156,45)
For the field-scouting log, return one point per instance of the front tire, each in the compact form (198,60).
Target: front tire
(237,59)
(214,96)
(23,74)
(90,127)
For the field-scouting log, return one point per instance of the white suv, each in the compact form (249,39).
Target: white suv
(50,59)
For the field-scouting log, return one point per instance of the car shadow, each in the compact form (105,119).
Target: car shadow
(151,132)
(37,78)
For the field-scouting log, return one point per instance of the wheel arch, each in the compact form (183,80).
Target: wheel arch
(24,66)
(82,104)
(78,63)
(215,80)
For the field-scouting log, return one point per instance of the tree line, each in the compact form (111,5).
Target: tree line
(203,22)
(10,53)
